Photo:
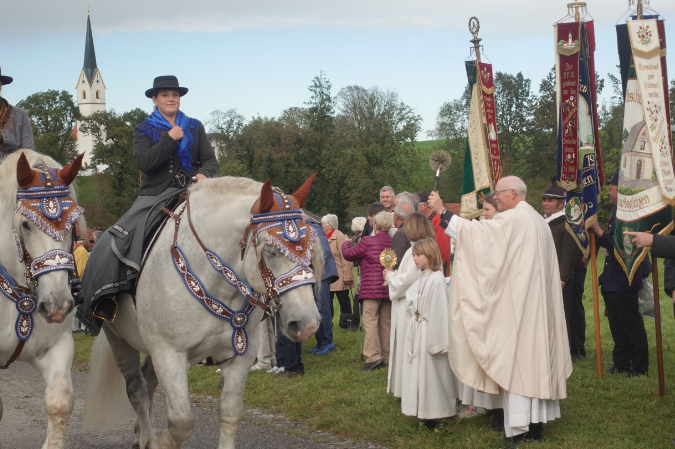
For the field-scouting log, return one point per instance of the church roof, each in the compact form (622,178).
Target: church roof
(633,137)
(89,66)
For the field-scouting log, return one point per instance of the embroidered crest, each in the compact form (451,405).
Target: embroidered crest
(54,260)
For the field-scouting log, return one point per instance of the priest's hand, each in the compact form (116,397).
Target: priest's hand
(435,202)
(384,273)
(641,239)
(597,230)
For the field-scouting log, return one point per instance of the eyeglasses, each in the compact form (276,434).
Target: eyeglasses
(497,192)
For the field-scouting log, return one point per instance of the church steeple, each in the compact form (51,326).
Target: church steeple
(89,66)
(90,93)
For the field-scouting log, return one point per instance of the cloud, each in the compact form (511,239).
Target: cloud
(516,16)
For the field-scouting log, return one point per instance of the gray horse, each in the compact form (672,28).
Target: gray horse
(173,328)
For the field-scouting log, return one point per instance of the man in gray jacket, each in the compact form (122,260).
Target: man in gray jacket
(15,128)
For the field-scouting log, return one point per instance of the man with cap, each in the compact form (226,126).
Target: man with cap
(569,261)
(435,219)
(15,128)
(631,349)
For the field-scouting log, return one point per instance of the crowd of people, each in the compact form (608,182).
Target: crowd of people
(501,335)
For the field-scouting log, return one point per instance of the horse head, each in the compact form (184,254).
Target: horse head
(43,227)
(287,259)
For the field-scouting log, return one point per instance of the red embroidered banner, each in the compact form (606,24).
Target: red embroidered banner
(568,67)
(487,84)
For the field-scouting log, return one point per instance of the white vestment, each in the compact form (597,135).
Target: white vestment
(507,323)
(399,282)
(429,386)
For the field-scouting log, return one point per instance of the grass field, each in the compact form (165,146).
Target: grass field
(607,412)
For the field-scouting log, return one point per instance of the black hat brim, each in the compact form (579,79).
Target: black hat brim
(153,91)
(5,80)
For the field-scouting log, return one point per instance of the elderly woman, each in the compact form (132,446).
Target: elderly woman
(373,295)
(15,129)
(416,227)
(341,287)
(172,150)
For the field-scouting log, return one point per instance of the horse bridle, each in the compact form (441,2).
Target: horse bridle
(25,298)
(269,302)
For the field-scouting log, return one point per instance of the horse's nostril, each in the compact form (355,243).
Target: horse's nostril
(43,309)
(294,328)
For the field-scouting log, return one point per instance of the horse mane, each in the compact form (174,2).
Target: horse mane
(232,185)
(227,185)
(9,185)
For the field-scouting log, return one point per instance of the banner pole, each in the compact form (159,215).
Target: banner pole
(657,319)
(596,305)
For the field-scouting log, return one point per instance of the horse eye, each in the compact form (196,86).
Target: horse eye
(25,225)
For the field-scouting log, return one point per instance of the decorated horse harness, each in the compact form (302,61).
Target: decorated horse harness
(286,230)
(45,201)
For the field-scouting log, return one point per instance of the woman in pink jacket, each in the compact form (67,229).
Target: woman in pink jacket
(373,294)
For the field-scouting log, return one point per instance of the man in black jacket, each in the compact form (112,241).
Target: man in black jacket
(572,271)
(631,350)
(662,246)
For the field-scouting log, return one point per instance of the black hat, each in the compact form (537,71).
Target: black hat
(166,82)
(554,191)
(615,179)
(423,196)
(5,80)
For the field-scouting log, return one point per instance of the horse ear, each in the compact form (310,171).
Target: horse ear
(70,171)
(303,192)
(24,173)
(266,198)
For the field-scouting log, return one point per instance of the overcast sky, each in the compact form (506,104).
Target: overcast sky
(259,56)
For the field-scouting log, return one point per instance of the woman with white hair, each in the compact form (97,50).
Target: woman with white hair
(341,287)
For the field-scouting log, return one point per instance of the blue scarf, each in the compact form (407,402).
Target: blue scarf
(153,125)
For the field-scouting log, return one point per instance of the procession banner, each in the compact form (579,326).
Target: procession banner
(577,128)
(477,179)
(646,178)
(567,83)
(487,87)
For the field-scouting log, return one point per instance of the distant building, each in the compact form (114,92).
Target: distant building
(90,94)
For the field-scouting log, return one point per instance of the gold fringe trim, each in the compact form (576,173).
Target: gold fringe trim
(567,51)
(567,185)
(647,54)
(487,91)
(472,215)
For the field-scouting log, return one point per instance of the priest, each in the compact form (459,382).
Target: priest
(507,322)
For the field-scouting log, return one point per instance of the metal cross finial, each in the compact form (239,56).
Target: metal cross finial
(474,28)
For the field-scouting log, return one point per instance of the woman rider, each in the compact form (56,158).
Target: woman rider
(172,150)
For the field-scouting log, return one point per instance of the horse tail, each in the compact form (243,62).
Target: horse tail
(106,403)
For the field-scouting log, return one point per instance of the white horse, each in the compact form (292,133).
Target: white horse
(174,329)
(49,347)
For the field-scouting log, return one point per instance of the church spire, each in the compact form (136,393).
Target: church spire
(89,66)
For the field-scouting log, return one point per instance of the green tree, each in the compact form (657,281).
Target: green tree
(115,150)
(514,104)
(543,158)
(320,107)
(53,115)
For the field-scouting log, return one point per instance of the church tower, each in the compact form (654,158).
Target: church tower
(90,94)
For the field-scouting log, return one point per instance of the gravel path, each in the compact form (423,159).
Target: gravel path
(24,424)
